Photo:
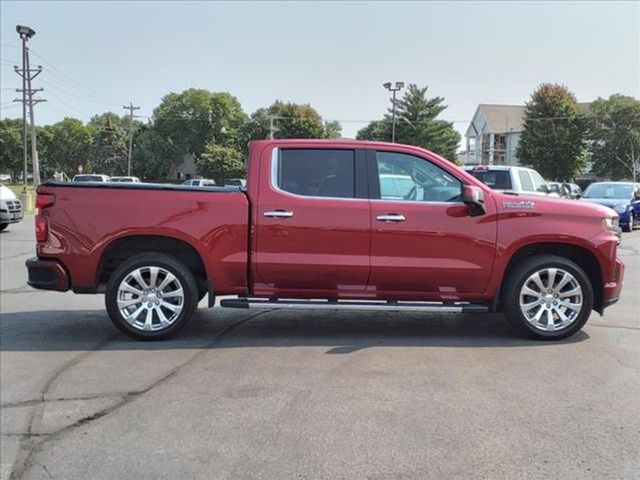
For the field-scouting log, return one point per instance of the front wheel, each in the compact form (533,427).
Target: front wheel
(630,223)
(547,297)
(3,226)
(151,296)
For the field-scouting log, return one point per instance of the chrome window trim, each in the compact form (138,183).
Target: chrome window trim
(275,159)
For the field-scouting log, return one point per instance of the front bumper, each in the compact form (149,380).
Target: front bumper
(612,289)
(45,274)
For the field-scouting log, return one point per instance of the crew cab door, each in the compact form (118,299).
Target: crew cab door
(424,243)
(312,222)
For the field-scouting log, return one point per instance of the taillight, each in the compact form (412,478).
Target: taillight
(42,226)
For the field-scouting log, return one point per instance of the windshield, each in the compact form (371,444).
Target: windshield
(607,190)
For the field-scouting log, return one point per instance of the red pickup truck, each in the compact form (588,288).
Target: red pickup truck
(329,225)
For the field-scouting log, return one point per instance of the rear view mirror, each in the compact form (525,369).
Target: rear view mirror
(473,197)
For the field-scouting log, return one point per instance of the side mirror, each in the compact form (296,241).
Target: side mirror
(473,197)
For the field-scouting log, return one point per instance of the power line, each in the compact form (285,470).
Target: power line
(79,84)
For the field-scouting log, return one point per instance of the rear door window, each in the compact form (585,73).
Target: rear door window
(317,172)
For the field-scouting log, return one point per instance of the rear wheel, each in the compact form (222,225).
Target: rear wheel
(151,296)
(547,297)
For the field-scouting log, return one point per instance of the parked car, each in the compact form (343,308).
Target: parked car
(5,177)
(574,189)
(513,179)
(314,230)
(561,189)
(10,207)
(235,182)
(622,197)
(125,179)
(90,177)
(200,182)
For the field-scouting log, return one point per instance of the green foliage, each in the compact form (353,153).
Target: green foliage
(416,124)
(184,119)
(554,137)
(153,156)
(291,120)
(615,135)
(220,162)
(228,120)
(11,153)
(109,148)
(63,146)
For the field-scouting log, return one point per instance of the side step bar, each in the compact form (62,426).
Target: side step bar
(459,307)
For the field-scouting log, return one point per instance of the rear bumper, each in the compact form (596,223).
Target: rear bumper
(45,274)
(612,289)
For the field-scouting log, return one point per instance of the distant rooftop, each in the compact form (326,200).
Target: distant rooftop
(506,118)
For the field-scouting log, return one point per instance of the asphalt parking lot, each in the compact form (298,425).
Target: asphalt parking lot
(278,395)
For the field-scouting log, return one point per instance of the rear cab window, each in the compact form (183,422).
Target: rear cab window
(494,179)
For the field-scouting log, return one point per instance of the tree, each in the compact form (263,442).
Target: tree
(615,137)
(554,136)
(228,120)
(291,120)
(220,162)
(64,146)
(184,119)
(153,156)
(11,153)
(417,124)
(109,148)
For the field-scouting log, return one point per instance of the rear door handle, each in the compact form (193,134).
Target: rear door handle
(391,217)
(278,214)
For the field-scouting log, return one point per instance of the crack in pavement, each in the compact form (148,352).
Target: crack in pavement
(32,444)
(36,401)
(613,326)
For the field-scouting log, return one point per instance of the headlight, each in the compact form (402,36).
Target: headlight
(621,208)
(610,224)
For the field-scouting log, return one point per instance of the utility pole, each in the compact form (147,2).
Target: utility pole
(394,89)
(28,74)
(272,128)
(131,109)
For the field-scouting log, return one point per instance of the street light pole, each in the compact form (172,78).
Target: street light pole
(398,86)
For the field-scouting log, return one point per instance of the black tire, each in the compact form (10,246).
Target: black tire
(3,226)
(513,287)
(187,303)
(629,227)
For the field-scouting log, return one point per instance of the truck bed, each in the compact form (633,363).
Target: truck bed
(88,221)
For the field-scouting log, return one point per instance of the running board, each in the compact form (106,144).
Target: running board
(459,307)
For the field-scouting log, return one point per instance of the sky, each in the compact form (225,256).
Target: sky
(98,56)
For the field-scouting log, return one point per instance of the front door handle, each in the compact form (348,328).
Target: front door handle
(278,214)
(391,217)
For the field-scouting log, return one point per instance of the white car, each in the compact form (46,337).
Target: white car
(90,177)
(200,182)
(513,179)
(10,208)
(125,179)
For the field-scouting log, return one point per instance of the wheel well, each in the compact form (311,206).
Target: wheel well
(123,248)
(581,256)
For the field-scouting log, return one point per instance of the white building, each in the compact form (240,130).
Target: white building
(494,133)
(492,136)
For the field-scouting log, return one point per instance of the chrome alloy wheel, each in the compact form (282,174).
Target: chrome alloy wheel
(551,299)
(150,298)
